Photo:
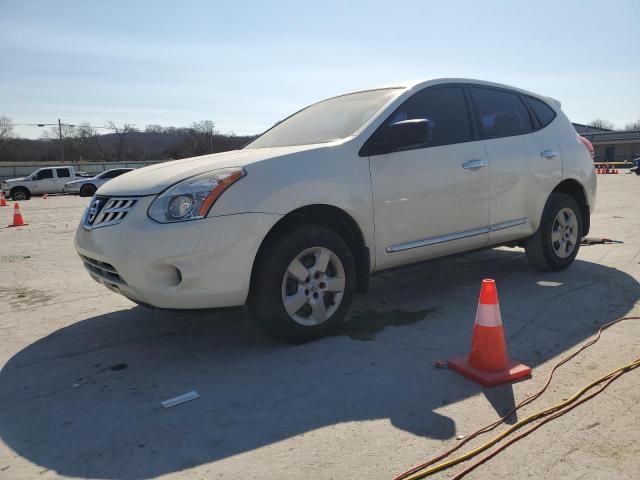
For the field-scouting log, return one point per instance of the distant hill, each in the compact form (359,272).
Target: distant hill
(171,143)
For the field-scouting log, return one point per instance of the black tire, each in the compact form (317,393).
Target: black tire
(540,250)
(88,190)
(266,298)
(19,194)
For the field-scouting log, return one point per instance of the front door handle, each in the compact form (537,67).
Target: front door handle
(549,154)
(474,164)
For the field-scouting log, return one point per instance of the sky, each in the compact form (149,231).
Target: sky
(246,65)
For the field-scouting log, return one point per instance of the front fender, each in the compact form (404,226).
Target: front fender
(334,176)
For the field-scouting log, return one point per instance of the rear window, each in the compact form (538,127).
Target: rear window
(541,110)
(63,172)
(500,113)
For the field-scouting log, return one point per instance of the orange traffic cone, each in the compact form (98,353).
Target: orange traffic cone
(488,362)
(45,196)
(3,201)
(18,221)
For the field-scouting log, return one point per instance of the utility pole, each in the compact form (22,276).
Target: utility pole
(59,133)
(61,144)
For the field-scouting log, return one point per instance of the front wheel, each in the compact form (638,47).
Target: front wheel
(556,243)
(20,194)
(304,283)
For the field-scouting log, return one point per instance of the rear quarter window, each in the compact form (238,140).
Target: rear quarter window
(543,112)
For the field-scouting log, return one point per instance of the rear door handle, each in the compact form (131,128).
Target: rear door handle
(549,154)
(474,164)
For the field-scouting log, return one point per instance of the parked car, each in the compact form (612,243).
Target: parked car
(86,187)
(294,223)
(636,166)
(43,180)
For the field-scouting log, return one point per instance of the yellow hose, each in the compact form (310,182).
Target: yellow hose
(454,461)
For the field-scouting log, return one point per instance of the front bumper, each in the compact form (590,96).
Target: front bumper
(198,264)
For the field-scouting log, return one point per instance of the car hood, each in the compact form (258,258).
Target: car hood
(13,180)
(154,179)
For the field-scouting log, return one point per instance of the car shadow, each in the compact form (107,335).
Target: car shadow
(85,400)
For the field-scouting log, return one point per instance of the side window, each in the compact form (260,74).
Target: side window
(500,113)
(444,108)
(44,174)
(63,172)
(541,110)
(117,173)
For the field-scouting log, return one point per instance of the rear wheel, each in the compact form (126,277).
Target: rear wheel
(556,243)
(88,190)
(304,284)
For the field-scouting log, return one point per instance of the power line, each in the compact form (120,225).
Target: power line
(55,125)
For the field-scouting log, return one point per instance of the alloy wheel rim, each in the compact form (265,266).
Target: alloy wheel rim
(564,233)
(313,286)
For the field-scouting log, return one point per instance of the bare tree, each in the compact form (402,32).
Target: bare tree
(199,137)
(84,142)
(633,125)
(121,134)
(6,132)
(601,123)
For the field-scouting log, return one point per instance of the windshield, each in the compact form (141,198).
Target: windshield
(331,119)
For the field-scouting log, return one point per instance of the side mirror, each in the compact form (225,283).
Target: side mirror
(409,132)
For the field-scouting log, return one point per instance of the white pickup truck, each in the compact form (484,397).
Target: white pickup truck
(44,180)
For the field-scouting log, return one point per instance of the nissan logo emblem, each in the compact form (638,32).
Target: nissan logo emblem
(93,210)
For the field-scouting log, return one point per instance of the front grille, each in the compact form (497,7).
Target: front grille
(104,270)
(104,211)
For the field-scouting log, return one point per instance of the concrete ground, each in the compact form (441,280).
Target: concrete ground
(84,370)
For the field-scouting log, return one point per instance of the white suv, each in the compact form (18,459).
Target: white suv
(295,222)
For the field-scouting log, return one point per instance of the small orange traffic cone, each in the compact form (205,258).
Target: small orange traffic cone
(488,362)
(18,221)
(3,201)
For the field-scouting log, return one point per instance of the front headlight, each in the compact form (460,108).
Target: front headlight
(192,198)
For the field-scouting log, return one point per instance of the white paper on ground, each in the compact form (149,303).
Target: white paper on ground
(172,402)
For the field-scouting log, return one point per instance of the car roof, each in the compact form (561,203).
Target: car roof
(421,83)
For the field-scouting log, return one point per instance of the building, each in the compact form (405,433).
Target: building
(611,145)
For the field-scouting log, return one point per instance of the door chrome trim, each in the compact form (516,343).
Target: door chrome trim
(508,224)
(549,154)
(474,164)
(456,236)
